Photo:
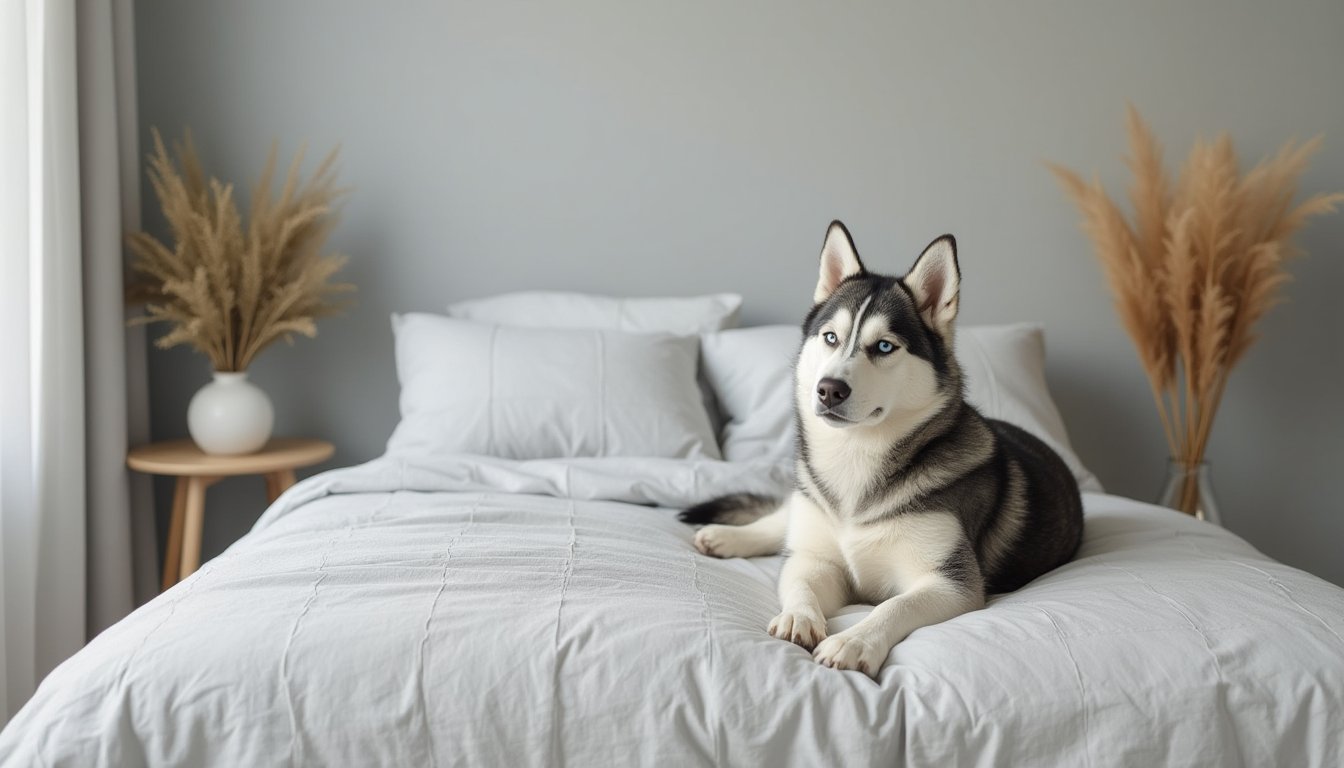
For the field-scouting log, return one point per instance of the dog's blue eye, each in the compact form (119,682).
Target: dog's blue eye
(830,338)
(885,347)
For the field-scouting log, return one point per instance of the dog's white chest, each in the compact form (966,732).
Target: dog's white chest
(885,558)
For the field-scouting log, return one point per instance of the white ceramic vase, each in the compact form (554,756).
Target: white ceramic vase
(230,415)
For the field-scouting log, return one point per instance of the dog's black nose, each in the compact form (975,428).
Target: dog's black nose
(832,392)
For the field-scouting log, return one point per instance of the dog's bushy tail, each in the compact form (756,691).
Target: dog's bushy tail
(733,509)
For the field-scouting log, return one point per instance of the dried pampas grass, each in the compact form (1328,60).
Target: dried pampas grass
(230,289)
(1197,265)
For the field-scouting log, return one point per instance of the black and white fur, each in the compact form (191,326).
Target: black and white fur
(906,497)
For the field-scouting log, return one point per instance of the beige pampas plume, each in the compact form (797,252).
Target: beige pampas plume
(1202,261)
(230,288)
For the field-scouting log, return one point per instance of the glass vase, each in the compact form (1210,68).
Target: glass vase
(1188,490)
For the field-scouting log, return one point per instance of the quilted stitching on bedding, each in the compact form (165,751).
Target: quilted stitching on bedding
(455,611)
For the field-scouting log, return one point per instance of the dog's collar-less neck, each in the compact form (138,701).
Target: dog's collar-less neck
(892,449)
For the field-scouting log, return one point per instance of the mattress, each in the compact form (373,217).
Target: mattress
(470,611)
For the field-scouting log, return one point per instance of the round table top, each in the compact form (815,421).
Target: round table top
(183,457)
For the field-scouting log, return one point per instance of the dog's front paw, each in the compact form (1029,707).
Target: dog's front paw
(852,650)
(798,628)
(718,541)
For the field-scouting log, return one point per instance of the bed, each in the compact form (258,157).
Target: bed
(440,607)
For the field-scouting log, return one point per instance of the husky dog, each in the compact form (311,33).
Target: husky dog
(906,497)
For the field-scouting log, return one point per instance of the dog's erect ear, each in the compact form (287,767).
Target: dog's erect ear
(839,260)
(935,281)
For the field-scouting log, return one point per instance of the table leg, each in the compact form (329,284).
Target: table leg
(283,480)
(173,553)
(195,523)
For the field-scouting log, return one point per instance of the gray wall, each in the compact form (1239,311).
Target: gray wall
(694,147)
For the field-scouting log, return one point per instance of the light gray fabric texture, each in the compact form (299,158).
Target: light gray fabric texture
(750,371)
(42,432)
(76,534)
(533,393)
(121,543)
(682,316)
(678,315)
(461,610)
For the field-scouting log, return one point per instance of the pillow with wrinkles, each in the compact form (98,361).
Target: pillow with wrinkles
(680,315)
(540,393)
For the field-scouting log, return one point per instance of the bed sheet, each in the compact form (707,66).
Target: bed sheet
(470,611)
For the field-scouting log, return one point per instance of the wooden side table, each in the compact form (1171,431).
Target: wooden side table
(195,471)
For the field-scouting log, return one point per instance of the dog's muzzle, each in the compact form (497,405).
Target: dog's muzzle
(832,392)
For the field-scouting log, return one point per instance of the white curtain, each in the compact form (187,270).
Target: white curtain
(76,535)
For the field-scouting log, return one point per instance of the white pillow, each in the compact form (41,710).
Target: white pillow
(751,373)
(556,309)
(751,370)
(683,316)
(521,393)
